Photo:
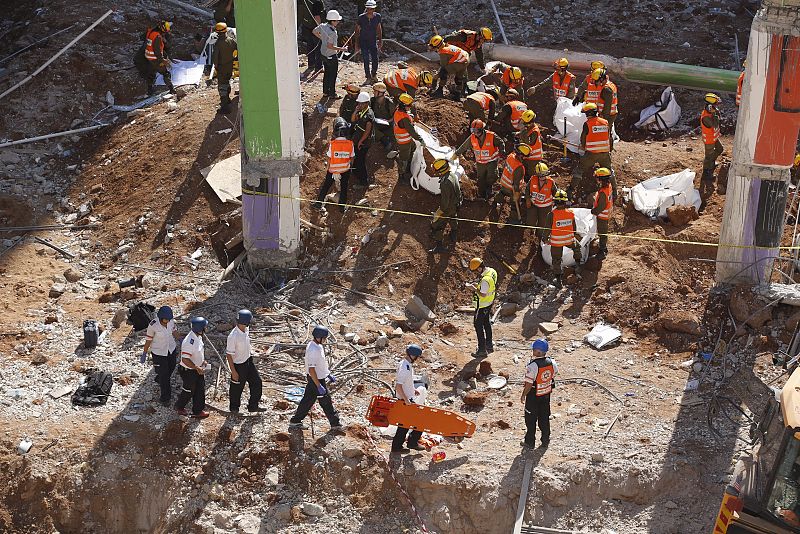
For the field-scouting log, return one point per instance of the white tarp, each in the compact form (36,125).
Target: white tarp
(586,226)
(575,120)
(663,115)
(185,72)
(419,175)
(652,197)
(602,335)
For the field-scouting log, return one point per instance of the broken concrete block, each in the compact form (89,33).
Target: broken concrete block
(485,368)
(350,337)
(418,309)
(352,452)
(549,328)
(381,342)
(509,309)
(56,290)
(448,328)
(527,278)
(397,332)
(476,398)
(120,317)
(312,509)
(680,321)
(72,275)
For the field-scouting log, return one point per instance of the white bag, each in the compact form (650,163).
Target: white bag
(419,174)
(652,197)
(663,115)
(586,226)
(571,117)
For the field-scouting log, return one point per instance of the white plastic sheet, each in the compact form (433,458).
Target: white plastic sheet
(652,197)
(419,174)
(663,115)
(575,119)
(586,226)
(602,335)
(185,72)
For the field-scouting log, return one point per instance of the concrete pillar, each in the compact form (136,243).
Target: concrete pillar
(766,136)
(271,130)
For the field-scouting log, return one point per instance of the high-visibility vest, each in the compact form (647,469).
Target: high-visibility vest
(606,213)
(601,104)
(507,79)
(561,232)
(739,89)
(710,135)
(510,167)
(402,79)
(401,134)
(537,148)
(470,44)
(544,377)
(542,195)
(484,100)
(341,154)
(593,93)
(517,109)
(455,54)
(486,152)
(561,85)
(598,140)
(149,52)
(490,277)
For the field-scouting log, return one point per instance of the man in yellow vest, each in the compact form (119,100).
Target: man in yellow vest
(709,124)
(562,234)
(483,298)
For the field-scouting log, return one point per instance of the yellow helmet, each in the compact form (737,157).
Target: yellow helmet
(220,27)
(541,169)
(711,98)
(598,73)
(562,63)
(436,41)
(166,26)
(744,64)
(406,99)
(603,172)
(441,167)
(523,149)
(589,106)
(487,33)
(797,160)
(351,88)
(475,264)
(597,65)
(528,116)
(426,77)
(515,74)
(379,87)
(560,196)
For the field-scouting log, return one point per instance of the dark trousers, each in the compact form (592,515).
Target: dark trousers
(369,52)
(483,327)
(307,402)
(360,164)
(194,387)
(537,410)
(164,365)
(400,437)
(328,182)
(331,66)
(153,70)
(247,374)
(313,48)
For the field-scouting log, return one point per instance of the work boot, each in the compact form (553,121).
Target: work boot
(297,426)
(401,450)
(489,347)
(601,255)
(172,90)
(257,409)
(201,415)
(557,281)
(182,411)
(481,353)
(416,447)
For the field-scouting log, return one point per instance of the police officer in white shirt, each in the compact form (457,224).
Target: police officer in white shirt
(318,381)
(539,382)
(192,368)
(404,385)
(160,341)
(243,369)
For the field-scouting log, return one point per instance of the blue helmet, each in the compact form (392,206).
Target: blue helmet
(245,317)
(414,350)
(165,312)
(198,324)
(540,344)
(320,332)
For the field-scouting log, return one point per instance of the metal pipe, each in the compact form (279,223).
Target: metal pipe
(499,22)
(193,9)
(49,136)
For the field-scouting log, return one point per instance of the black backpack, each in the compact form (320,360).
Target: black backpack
(140,315)
(95,391)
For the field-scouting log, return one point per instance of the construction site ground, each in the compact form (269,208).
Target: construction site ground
(642,440)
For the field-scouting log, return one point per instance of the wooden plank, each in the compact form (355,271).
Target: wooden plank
(523,495)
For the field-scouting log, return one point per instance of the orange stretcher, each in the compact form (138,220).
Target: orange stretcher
(385,411)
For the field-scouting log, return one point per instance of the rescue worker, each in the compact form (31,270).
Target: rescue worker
(156,54)
(510,78)
(192,369)
(341,152)
(739,84)
(405,392)
(363,121)
(603,206)
(481,105)
(471,41)
(329,48)
(562,80)
(561,222)
(538,383)
(483,298)
(223,57)
(539,200)
(452,60)
(243,369)
(709,123)
(405,79)
(449,202)
(318,382)
(383,109)
(369,39)
(160,342)
(487,148)
(348,105)
(596,141)
(310,13)
(581,92)
(509,118)
(603,92)
(531,136)
(405,134)
(512,180)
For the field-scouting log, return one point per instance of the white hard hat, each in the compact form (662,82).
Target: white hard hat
(371,3)
(333,15)
(362,97)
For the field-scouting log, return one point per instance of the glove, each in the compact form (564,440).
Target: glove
(332,378)
(438,214)
(530,92)
(575,101)
(321,391)
(143,357)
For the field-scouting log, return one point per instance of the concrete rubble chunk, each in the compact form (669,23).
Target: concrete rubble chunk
(352,452)
(476,398)
(120,317)
(397,332)
(381,342)
(597,457)
(312,509)
(509,309)
(72,275)
(549,328)
(272,476)
(418,309)
(681,322)
(56,290)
